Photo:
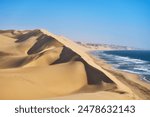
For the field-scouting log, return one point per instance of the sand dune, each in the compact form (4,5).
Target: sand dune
(36,64)
(42,82)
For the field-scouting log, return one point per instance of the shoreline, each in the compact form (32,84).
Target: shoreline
(141,77)
(134,78)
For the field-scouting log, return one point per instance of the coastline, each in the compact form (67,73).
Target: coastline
(129,78)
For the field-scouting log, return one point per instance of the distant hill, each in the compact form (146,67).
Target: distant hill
(94,46)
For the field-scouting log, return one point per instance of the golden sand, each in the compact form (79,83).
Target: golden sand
(36,64)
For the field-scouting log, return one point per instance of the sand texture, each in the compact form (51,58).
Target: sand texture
(36,64)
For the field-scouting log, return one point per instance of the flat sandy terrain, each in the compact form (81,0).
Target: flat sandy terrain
(36,64)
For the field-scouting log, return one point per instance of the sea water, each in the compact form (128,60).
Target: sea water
(133,61)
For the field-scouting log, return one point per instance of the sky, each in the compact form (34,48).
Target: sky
(119,22)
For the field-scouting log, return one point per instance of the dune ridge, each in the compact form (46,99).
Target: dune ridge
(36,64)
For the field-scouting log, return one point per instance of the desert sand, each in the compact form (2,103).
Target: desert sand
(36,64)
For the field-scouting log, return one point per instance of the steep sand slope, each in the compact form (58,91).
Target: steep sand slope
(35,64)
(87,59)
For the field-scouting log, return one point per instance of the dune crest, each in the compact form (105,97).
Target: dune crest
(36,64)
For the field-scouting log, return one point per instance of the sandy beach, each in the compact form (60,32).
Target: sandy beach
(36,64)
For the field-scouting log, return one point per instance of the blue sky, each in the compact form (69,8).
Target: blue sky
(121,22)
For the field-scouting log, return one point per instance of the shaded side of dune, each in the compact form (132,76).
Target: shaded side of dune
(94,76)
(43,42)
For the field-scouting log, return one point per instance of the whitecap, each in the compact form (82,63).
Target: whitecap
(131,65)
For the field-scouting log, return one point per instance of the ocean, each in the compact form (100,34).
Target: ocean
(133,61)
